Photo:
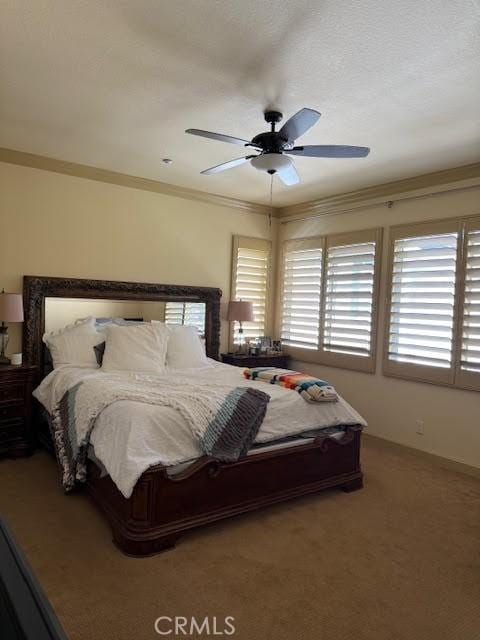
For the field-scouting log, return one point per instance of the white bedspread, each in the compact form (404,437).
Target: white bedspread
(129,437)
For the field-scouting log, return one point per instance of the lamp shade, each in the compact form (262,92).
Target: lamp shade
(11,307)
(240,310)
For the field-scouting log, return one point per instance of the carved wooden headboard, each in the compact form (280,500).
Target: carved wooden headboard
(37,288)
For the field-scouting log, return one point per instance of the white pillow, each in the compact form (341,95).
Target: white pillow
(74,344)
(141,348)
(185,349)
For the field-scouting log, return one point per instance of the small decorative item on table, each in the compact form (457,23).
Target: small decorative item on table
(280,360)
(265,344)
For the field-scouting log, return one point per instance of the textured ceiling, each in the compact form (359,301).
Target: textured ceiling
(114,84)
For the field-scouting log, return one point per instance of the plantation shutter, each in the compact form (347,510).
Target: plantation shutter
(422,301)
(186,313)
(250,282)
(302,275)
(468,373)
(350,296)
(194,316)
(174,312)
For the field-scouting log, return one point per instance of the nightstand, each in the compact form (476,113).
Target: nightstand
(281,360)
(16,386)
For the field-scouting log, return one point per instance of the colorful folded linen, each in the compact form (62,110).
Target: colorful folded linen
(310,388)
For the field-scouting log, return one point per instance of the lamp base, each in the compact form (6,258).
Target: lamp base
(3,344)
(239,351)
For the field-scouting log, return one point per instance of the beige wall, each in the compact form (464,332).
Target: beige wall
(58,225)
(391,407)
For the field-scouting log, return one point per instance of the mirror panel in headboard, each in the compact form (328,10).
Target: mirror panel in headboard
(52,303)
(60,312)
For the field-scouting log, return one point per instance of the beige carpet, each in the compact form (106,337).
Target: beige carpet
(398,560)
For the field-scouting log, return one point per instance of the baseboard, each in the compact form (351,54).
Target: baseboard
(446,463)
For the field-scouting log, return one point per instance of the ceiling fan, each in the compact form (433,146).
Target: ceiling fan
(273,145)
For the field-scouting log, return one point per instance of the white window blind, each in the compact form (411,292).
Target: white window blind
(186,313)
(423,300)
(349,298)
(470,351)
(194,316)
(329,291)
(174,312)
(250,280)
(302,273)
(434,316)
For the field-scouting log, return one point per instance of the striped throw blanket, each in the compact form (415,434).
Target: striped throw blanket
(310,388)
(224,420)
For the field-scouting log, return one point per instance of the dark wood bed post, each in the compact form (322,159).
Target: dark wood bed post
(162,507)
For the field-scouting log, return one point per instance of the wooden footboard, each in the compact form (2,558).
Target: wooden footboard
(162,507)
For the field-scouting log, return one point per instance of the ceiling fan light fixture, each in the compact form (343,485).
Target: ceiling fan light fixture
(271,162)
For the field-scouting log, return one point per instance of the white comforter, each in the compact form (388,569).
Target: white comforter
(129,437)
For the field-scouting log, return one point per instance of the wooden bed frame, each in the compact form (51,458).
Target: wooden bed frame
(163,506)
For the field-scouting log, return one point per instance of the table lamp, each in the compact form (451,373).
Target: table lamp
(240,311)
(11,310)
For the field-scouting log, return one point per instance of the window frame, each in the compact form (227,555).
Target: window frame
(321,355)
(256,244)
(465,379)
(454,377)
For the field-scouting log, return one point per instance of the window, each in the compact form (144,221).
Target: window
(423,298)
(433,319)
(329,304)
(250,282)
(468,374)
(302,273)
(350,280)
(188,313)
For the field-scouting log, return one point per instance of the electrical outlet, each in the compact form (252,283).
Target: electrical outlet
(420,426)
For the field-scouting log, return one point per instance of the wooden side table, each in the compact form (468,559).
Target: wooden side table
(281,360)
(16,386)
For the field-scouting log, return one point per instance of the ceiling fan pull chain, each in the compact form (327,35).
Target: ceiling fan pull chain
(271,201)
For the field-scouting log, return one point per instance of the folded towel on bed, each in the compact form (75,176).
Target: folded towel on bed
(310,388)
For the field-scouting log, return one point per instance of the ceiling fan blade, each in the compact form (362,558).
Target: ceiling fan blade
(329,151)
(299,124)
(218,136)
(288,175)
(226,165)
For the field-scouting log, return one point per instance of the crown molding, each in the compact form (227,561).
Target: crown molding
(381,192)
(377,193)
(88,172)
